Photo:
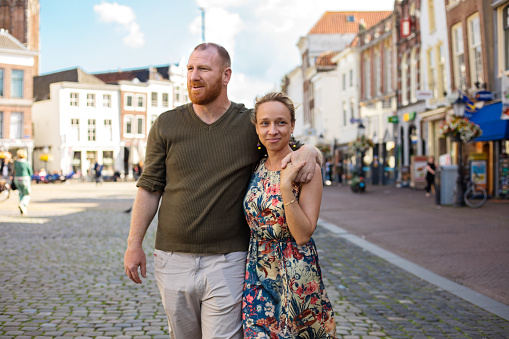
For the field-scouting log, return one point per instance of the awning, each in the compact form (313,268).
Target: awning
(493,128)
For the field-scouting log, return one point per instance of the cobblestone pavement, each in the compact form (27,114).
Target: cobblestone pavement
(61,275)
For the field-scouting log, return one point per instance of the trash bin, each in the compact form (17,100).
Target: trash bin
(448,176)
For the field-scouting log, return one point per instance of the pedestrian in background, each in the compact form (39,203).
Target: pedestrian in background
(98,173)
(23,177)
(430,175)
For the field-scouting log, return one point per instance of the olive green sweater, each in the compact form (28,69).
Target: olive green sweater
(203,171)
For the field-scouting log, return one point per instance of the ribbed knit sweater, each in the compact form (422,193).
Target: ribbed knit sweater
(203,171)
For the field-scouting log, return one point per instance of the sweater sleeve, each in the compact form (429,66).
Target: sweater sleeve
(153,177)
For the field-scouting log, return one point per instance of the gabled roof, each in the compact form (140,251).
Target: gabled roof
(7,41)
(325,58)
(142,74)
(42,82)
(347,22)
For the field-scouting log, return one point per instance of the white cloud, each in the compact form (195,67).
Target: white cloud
(126,18)
(221,27)
(244,89)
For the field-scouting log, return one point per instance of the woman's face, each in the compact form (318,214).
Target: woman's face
(274,125)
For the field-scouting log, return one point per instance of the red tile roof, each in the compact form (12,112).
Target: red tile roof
(337,23)
(324,59)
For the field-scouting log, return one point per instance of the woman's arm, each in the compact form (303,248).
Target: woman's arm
(302,215)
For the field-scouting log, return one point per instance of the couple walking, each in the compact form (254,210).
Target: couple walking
(202,238)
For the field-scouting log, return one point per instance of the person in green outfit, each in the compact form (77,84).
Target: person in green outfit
(23,177)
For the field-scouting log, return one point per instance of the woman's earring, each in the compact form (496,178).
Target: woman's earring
(258,145)
(292,141)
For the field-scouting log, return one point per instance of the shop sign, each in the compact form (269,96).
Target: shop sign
(76,162)
(393,119)
(409,116)
(484,96)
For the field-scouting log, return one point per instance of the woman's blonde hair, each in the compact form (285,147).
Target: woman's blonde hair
(274,96)
(21,153)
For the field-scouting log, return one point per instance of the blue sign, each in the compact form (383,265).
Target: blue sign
(484,96)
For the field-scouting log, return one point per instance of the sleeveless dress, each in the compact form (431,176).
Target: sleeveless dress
(284,295)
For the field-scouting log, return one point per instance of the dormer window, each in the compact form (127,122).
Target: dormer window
(350,18)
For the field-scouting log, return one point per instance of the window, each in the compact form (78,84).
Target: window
(414,81)
(475,50)
(141,126)
(75,130)
(17,83)
(74,99)
(165,99)
(129,101)
(505,19)
(16,126)
(1,82)
(344,81)
(106,100)
(458,56)
(367,78)
(128,124)
(91,130)
(154,99)
(90,100)
(388,69)
(344,113)
(140,101)
(377,74)
(177,93)
(108,130)
(432,84)
(352,110)
(351,78)
(1,125)
(404,79)
(441,76)
(431,15)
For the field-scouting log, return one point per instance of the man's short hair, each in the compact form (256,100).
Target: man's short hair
(223,53)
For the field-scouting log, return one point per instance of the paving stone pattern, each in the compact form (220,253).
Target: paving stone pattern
(62,276)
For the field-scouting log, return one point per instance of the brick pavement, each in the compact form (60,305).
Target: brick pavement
(62,275)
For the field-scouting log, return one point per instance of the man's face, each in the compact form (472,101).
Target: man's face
(205,72)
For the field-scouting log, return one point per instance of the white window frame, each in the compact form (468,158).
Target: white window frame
(140,121)
(108,130)
(107,100)
(16,125)
(388,69)
(128,107)
(166,103)
(90,100)
(404,79)
(154,101)
(74,99)
(140,99)
(458,52)
(475,49)
(414,84)
(441,73)
(432,71)
(367,77)
(92,130)
(431,16)
(377,73)
(128,118)
(75,129)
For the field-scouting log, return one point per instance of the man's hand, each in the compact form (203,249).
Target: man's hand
(289,173)
(310,155)
(134,257)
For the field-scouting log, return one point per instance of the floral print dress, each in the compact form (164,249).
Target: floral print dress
(284,295)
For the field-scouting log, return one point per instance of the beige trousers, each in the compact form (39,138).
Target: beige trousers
(201,294)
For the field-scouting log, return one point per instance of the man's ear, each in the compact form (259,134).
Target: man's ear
(227,74)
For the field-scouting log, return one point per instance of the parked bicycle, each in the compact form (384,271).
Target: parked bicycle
(475,195)
(5,190)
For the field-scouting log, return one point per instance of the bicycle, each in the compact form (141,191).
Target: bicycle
(5,190)
(475,195)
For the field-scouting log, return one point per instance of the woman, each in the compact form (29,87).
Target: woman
(22,177)
(284,295)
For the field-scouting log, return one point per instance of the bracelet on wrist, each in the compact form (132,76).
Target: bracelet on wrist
(291,202)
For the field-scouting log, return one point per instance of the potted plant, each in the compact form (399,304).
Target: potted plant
(361,144)
(460,129)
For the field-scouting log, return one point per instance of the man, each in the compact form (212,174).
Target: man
(198,162)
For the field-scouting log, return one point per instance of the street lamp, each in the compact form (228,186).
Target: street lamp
(459,111)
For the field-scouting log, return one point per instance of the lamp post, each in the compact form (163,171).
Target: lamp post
(459,111)
(360,133)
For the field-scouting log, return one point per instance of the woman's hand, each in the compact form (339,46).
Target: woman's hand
(308,154)
(289,174)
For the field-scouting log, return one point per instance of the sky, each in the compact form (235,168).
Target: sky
(260,35)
